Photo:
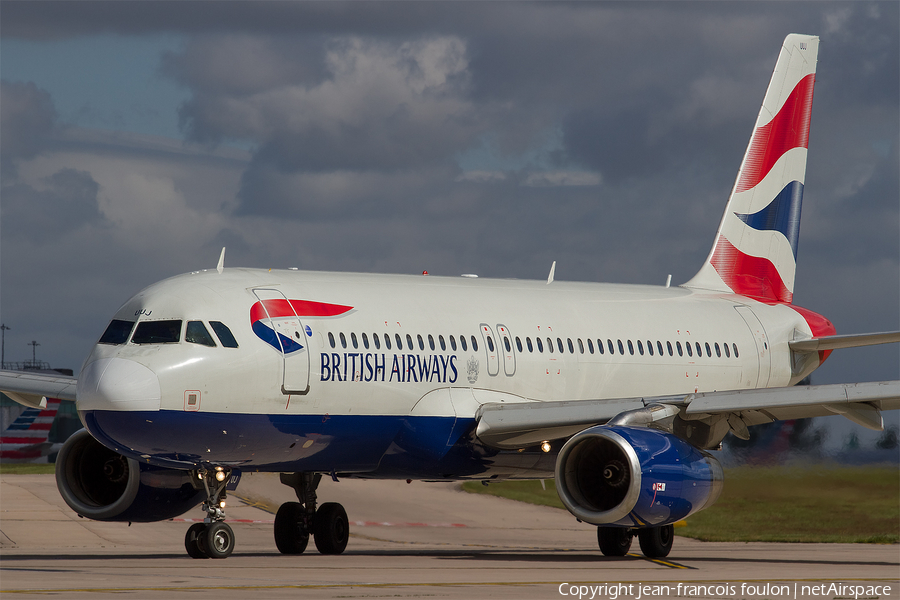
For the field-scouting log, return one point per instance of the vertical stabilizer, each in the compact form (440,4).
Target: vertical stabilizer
(755,250)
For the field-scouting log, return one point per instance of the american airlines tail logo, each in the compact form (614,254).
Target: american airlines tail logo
(277,321)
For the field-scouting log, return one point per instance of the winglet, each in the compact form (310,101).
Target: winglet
(221,266)
(552,272)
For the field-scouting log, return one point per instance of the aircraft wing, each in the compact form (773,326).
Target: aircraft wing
(516,425)
(33,389)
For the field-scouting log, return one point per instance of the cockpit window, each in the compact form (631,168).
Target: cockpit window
(196,333)
(117,332)
(157,332)
(224,334)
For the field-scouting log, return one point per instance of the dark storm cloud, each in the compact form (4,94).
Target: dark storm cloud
(27,120)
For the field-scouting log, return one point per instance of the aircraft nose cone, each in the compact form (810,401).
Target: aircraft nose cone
(117,384)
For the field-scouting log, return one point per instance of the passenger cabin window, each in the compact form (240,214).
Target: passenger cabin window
(443,343)
(680,351)
(353,340)
(343,340)
(600,346)
(659,347)
(375,339)
(462,342)
(649,347)
(409,343)
(518,344)
(550,345)
(431,341)
(399,341)
(453,343)
(590,346)
(727,351)
(490,343)
(331,339)
(474,344)
(224,334)
(196,333)
(117,332)
(387,341)
(669,347)
(630,348)
(734,347)
(365,339)
(157,332)
(718,350)
(580,346)
(708,352)
(640,347)
(687,347)
(528,343)
(609,345)
(540,345)
(506,344)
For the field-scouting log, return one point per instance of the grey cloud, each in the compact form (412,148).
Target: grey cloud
(65,201)
(27,119)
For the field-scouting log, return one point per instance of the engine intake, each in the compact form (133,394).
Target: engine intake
(103,485)
(634,477)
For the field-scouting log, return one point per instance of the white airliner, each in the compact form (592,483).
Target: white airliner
(614,390)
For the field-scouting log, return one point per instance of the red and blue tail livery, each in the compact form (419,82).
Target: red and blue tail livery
(755,251)
(26,438)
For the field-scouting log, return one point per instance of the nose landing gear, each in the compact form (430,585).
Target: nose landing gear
(295,521)
(213,538)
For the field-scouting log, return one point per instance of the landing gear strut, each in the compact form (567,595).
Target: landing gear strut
(295,521)
(213,538)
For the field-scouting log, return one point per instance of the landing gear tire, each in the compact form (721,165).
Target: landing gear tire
(331,528)
(656,542)
(192,541)
(291,533)
(218,540)
(614,541)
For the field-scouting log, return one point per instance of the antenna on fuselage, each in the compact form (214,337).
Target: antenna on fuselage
(221,266)
(552,272)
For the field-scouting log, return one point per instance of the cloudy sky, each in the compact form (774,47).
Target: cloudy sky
(139,138)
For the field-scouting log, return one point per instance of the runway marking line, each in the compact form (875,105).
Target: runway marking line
(356,523)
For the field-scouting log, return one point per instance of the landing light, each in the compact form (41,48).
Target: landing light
(222,504)
(545,446)
(220,475)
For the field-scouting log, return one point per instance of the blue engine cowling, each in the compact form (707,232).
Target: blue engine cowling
(635,477)
(100,484)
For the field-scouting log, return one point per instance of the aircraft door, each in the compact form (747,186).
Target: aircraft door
(490,347)
(506,350)
(289,336)
(762,344)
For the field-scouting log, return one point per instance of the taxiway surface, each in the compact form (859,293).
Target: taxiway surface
(416,540)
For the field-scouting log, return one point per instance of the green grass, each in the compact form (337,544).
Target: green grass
(26,468)
(776,504)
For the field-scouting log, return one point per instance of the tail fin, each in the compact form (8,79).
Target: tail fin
(755,250)
(26,438)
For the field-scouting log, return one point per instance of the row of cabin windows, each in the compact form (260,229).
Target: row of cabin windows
(167,332)
(398,340)
(411,344)
(638,345)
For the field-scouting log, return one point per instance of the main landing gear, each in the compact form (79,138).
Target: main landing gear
(656,542)
(296,521)
(213,538)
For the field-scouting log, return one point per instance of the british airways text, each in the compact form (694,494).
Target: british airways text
(402,368)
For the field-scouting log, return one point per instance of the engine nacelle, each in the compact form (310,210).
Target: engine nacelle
(635,477)
(100,484)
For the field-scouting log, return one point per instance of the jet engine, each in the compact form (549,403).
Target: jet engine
(635,477)
(100,484)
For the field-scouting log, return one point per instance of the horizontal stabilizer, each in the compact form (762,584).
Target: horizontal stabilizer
(835,342)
